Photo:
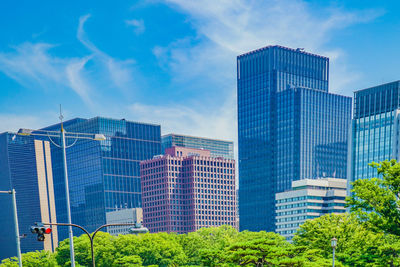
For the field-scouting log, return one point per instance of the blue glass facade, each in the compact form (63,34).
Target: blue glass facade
(218,148)
(19,161)
(287,125)
(103,175)
(375,128)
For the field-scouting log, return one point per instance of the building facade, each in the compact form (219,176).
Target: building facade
(308,199)
(26,166)
(289,128)
(187,189)
(104,176)
(217,148)
(134,215)
(375,129)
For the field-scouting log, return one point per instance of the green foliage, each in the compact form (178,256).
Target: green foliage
(32,259)
(356,245)
(128,261)
(376,201)
(269,249)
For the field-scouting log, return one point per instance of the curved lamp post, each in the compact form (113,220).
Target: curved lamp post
(138,227)
(63,136)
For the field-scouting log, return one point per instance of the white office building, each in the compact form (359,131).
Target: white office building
(308,199)
(134,215)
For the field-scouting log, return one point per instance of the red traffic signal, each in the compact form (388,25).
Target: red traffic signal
(40,230)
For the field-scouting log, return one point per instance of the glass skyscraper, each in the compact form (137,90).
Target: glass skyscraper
(289,127)
(25,165)
(218,148)
(375,128)
(103,176)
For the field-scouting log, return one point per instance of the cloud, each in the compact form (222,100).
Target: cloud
(34,66)
(31,64)
(138,25)
(206,60)
(12,122)
(198,121)
(120,72)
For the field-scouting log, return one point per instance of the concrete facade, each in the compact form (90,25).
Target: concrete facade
(308,199)
(134,215)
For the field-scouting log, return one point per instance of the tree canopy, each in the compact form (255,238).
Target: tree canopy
(376,201)
(369,236)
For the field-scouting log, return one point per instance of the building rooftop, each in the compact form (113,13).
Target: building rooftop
(373,87)
(299,50)
(198,137)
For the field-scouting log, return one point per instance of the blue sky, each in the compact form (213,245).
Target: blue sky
(174,62)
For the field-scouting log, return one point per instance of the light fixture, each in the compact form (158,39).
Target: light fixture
(99,137)
(334,242)
(25,131)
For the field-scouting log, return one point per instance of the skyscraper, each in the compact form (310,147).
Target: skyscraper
(217,148)
(375,128)
(186,189)
(103,176)
(25,165)
(289,127)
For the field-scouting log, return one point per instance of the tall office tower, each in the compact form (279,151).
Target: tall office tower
(218,148)
(25,165)
(375,128)
(187,189)
(103,176)
(289,127)
(308,199)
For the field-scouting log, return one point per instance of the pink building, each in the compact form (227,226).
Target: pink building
(186,189)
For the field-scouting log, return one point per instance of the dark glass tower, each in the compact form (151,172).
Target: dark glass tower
(289,128)
(103,176)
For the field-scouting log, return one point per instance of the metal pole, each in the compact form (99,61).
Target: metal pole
(16,228)
(91,237)
(91,244)
(333,258)
(71,236)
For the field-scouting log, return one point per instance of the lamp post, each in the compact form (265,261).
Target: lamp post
(333,245)
(63,136)
(138,227)
(12,192)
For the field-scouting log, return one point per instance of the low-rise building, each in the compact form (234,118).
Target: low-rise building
(134,215)
(308,199)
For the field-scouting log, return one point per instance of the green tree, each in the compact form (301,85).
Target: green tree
(357,245)
(32,259)
(270,249)
(160,249)
(104,250)
(128,261)
(376,201)
(204,247)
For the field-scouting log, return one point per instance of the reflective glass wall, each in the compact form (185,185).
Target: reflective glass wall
(103,175)
(287,121)
(375,128)
(218,148)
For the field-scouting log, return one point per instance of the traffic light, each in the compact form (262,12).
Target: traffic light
(40,230)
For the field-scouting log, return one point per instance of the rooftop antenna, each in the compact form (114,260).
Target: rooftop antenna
(61,117)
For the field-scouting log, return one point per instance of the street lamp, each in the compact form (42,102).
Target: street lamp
(333,245)
(63,136)
(12,192)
